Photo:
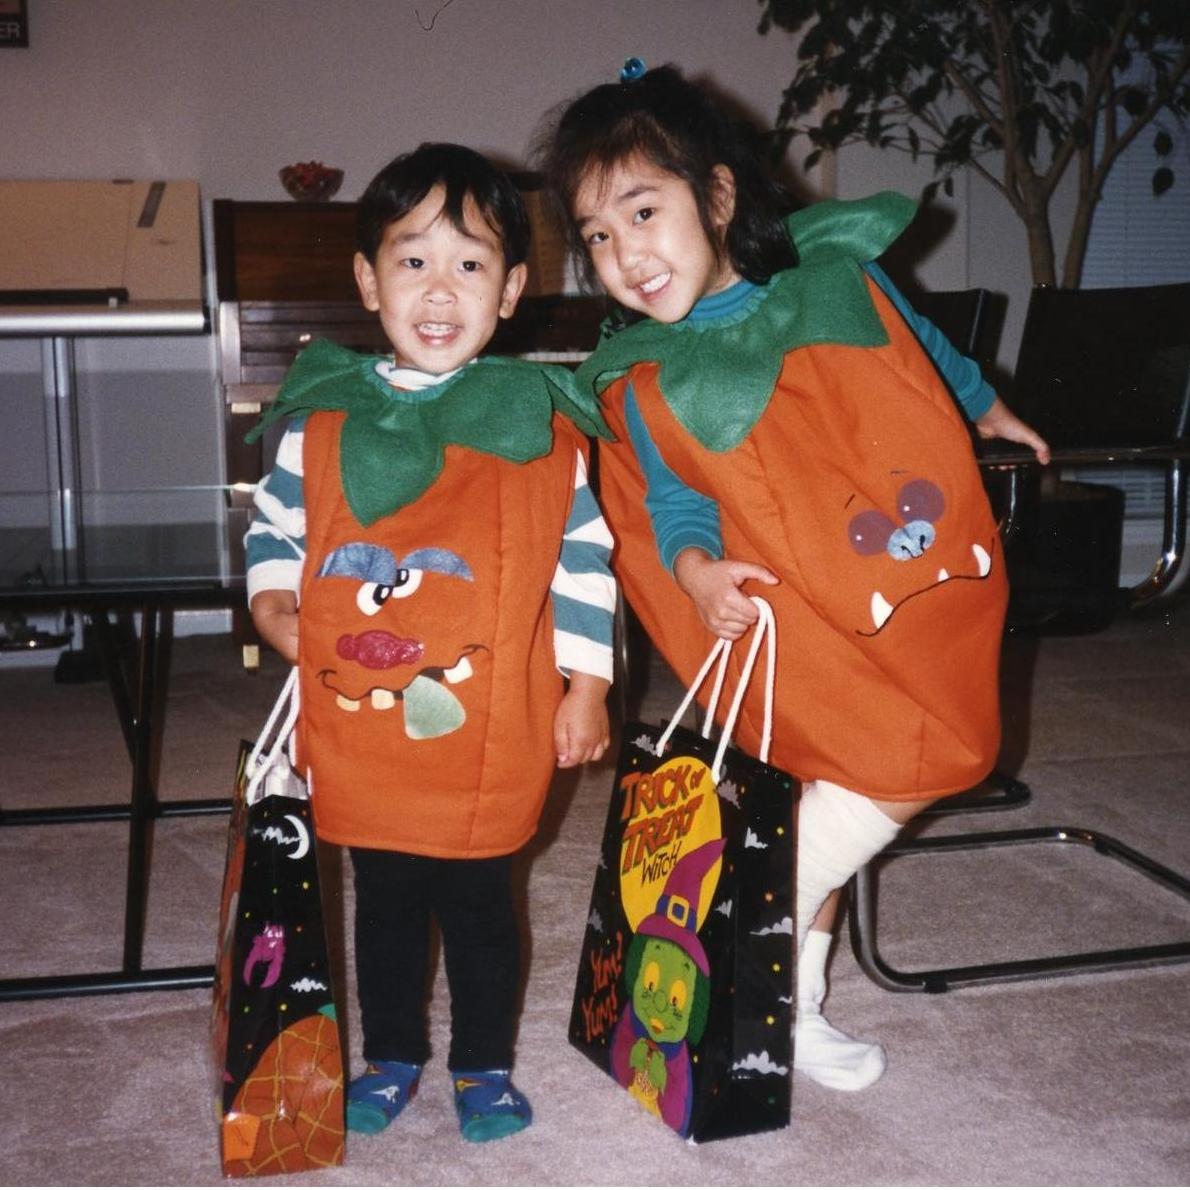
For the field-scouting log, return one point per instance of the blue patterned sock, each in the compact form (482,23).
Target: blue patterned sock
(489,1106)
(380,1094)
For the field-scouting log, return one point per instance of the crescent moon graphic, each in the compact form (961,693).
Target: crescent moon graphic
(303,836)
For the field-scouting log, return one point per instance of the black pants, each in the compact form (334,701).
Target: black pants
(395,894)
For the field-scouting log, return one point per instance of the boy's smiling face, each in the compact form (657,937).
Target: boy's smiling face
(439,291)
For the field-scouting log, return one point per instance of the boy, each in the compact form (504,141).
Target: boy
(430,516)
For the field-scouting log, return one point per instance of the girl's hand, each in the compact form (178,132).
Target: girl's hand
(1001,422)
(715,589)
(581,729)
(275,617)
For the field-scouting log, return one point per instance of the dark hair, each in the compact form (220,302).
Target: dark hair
(678,127)
(462,173)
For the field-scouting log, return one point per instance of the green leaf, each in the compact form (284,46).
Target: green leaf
(1162,180)
(1162,144)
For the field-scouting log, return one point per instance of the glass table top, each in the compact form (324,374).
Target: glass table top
(165,555)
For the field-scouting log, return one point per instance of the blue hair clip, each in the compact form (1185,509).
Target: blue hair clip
(632,70)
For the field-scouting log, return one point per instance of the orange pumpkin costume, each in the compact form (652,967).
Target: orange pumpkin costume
(474,790)
(888,657)
(429,680)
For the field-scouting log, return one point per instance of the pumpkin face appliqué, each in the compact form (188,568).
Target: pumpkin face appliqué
(404,634)
(908,551)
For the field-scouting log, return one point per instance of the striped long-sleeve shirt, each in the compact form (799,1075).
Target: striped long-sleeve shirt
(583,592)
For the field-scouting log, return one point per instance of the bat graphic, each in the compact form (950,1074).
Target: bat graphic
(267,947)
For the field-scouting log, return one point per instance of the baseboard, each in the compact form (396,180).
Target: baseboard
(202,622)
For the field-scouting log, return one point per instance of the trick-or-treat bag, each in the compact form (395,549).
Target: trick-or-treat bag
(684,991)
(274,1033)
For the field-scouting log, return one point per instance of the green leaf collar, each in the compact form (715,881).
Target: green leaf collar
(393,442)
(718,374)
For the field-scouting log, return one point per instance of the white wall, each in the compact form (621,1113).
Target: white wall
(228,91)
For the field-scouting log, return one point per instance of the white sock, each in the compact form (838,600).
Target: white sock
(820,1051)
(838,832)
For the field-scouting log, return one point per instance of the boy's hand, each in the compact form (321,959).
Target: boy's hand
(581,730)
(1001,422)
(275,617)
(715,589)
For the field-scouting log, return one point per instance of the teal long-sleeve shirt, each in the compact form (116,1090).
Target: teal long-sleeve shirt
(682,517)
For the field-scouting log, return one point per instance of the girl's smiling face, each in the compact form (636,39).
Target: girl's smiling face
(648,245)
(439,290)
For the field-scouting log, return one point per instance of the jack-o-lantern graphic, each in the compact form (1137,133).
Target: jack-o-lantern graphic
(288,1115)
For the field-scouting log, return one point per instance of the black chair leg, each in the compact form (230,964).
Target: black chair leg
(862,890)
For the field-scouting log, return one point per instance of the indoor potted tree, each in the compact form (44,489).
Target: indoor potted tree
(1026,92)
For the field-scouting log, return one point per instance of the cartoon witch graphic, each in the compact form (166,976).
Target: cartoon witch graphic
(668,978)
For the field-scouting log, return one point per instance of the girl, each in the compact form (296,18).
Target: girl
(781,421)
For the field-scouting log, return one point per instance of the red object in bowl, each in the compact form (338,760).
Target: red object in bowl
(311,181)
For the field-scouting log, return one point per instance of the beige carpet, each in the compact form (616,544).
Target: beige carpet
(1078,1080)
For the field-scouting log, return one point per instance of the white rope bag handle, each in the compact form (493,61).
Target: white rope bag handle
(258,770)
(765,630)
